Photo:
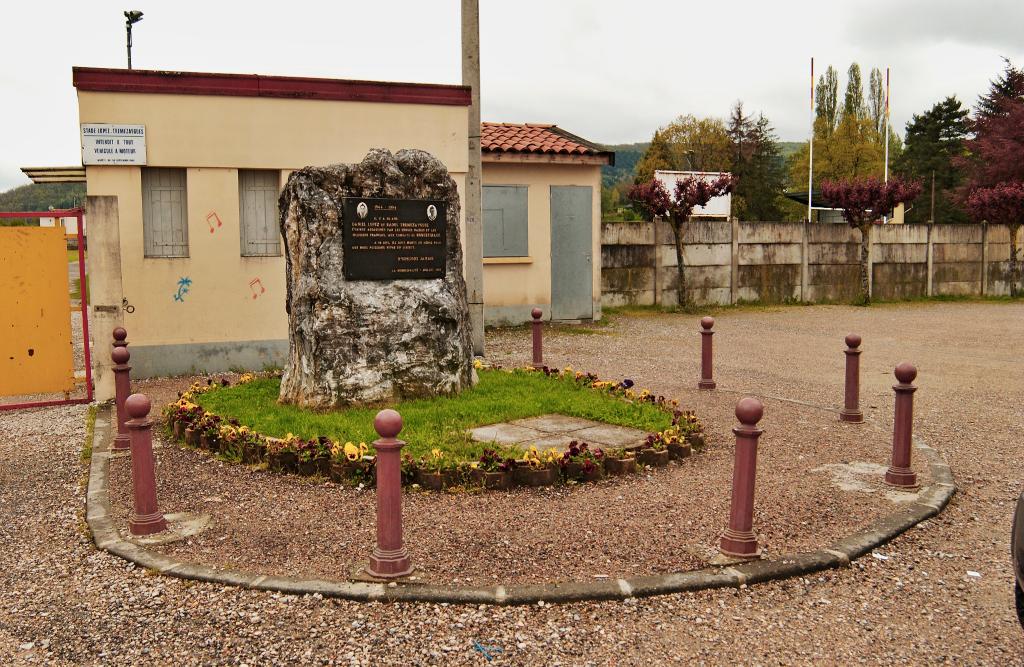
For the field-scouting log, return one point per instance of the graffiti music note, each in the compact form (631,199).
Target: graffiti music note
(211,218)
(252,285)
(183,285)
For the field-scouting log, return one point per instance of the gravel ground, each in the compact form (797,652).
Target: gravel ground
(62,602)
(664,521)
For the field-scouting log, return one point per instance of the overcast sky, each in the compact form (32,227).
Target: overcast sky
(608,71)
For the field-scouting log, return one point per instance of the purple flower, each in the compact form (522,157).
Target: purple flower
(627,384)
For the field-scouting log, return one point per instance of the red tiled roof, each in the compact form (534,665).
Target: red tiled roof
(535,138)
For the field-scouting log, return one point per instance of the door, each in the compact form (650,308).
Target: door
(572,274)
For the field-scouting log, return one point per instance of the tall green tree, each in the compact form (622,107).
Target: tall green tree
(850,149)
(687,143)
(876,100)
(827,101)
(657,156)
(853,100)
(934,144)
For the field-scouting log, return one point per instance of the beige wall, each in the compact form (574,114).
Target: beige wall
(272,133)
(512,285)
(213,137)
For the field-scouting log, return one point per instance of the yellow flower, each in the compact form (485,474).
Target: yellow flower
(474,465)
(437,453)
(477,364)
(363,448)
(351,452)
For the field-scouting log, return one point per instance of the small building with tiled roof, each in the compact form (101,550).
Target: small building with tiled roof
(542,222)
(183,175)
(537,142)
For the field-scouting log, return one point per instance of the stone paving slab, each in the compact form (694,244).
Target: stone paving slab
(555,423)
(614,436)
(556,432)
(505,434)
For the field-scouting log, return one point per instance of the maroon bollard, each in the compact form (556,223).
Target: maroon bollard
(390,559)
(122,386)
(851,408)
(738,540)
(706,380)
(899,473)
(147,518)
(538,351)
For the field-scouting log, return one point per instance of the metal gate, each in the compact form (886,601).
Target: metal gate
(36,347)
(572,273)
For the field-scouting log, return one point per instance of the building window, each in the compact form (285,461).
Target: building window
(505,221)
(164,212)
(257,210)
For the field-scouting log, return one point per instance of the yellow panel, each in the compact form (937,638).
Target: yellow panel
(35,312)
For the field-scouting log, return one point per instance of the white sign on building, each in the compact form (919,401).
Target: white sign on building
(109,144)
(720,207)
(69,224)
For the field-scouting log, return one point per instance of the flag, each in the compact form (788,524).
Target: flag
(812,84)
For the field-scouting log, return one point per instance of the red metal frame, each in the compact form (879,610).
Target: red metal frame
(259,85)
(78,214)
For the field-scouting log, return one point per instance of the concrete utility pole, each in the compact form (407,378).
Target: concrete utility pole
(474,241)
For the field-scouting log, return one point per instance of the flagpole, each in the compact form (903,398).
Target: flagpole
(885,136)
(886,124)
(810,164)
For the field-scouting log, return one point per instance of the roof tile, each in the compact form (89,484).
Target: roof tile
(532,138)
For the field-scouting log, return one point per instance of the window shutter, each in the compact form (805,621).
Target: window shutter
(257,212)
(506,221)
(164,212)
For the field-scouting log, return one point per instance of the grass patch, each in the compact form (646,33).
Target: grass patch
(90,428)
(438,422)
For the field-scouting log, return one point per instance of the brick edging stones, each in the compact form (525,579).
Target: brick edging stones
(931,501)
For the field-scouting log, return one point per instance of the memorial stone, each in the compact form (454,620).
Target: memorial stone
(377,307)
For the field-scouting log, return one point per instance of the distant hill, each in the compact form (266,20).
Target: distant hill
(40,197)
(626,157)
(790,148)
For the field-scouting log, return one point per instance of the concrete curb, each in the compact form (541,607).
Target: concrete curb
(932,500)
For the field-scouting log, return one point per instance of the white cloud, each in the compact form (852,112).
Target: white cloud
(606,70)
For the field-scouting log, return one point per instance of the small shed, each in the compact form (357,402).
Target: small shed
(542,222)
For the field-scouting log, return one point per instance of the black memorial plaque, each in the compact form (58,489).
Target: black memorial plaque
(394,239)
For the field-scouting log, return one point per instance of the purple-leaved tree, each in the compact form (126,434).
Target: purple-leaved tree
(689,193)
(863,201)
(1002,204)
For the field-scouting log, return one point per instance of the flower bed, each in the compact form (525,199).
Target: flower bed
(354,462)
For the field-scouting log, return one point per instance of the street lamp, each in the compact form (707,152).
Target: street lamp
(131,18)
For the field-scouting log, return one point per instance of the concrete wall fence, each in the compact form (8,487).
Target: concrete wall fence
(777,262)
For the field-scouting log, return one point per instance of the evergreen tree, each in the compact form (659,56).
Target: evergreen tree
(757,165)
(1009,86)
(657,156)
(996,150)
(935,141)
